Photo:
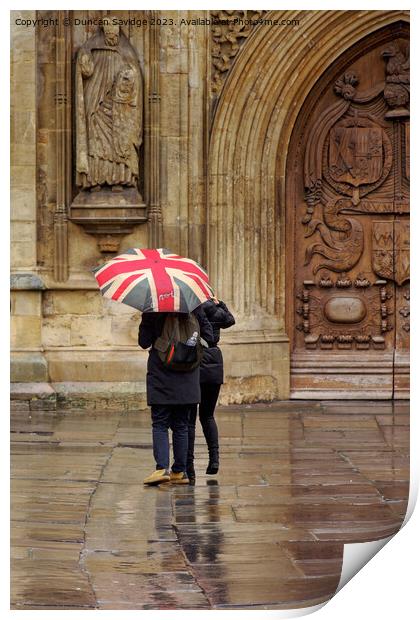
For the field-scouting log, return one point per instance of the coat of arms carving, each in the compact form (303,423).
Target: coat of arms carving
(355,154)
(359,154)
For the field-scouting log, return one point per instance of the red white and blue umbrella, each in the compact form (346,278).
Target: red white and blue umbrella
(154,281)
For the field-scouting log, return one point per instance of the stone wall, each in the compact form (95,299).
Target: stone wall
(65,335)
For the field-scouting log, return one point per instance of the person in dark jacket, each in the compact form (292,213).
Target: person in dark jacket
(170,395)
(215,313)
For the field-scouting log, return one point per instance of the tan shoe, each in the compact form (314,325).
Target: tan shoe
(179,477)
(157,477)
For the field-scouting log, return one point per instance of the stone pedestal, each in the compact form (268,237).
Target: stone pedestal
(108,214)
(28,363)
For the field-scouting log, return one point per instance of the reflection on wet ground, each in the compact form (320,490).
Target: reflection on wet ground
(297,481)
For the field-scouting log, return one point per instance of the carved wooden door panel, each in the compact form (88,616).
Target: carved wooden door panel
(348,227)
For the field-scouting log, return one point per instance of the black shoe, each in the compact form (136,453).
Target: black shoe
(191,474)
(213,466)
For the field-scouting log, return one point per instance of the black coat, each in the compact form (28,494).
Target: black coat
(164,386)
(219,317)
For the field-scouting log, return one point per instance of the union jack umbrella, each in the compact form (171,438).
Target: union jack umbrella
(154,281)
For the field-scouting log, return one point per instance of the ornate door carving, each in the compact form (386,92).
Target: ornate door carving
(349,226)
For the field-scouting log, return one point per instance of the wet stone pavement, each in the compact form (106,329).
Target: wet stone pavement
(297,481)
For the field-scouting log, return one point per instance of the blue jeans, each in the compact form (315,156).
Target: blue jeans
(174,417)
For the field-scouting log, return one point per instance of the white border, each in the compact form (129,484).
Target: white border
(387,586)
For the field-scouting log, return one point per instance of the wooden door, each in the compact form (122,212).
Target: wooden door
(348,226)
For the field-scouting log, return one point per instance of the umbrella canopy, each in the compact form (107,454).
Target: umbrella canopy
(154,281)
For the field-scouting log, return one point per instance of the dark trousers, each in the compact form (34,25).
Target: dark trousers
(209,396)
(174,417)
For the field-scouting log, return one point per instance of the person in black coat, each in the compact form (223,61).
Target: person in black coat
(215,313)
(170,395)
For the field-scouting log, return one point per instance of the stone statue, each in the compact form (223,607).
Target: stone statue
(109,108)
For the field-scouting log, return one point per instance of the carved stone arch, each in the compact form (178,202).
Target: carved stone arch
(253,123)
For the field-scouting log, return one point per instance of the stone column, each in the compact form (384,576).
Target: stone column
(183,133)
(28,362)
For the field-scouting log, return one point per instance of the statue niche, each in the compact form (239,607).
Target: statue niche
(108,128)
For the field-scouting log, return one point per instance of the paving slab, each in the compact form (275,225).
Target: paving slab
(298,480)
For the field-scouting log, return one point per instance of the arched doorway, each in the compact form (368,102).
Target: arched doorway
(347,225)
(255,166)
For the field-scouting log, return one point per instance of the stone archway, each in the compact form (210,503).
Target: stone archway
(250,136)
